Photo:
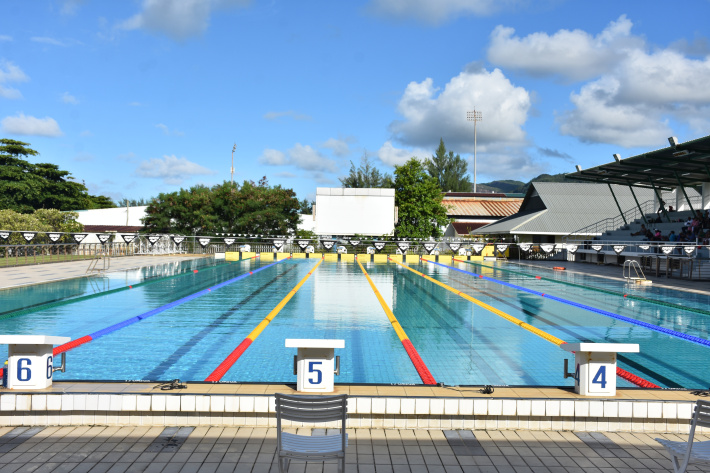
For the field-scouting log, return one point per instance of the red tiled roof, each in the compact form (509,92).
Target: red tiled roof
(464,228)
(481,208)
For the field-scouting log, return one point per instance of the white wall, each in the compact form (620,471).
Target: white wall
(115,216)
(346,211)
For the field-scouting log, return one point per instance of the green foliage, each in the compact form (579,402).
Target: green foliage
(132,202)
(25,187)
(366,176)
(306,207)
(42,220)
(418,199)
(254,208)
(449,170)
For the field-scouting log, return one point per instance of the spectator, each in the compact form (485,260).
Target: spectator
(657,235)
(640,232)
(672,236)
(660,209)
(683,235)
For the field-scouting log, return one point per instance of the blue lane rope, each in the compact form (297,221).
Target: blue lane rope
(667,331)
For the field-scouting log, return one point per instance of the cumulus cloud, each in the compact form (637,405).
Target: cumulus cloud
(391,156)
(71,7)
(171,169)
(430,113)
(436,11)
(555,154)
(29,125)
(9,72)
(178,20)
(69,98)
(4,37)
(168,131)
(271,116)
(574,55)
(340,146)
(300,156)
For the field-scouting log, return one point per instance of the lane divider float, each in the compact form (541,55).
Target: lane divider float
(228,362)
(93,336)
(419,365)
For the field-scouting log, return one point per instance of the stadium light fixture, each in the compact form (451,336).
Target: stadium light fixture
(617,157)
(234,148)
(673,141)
(579,168)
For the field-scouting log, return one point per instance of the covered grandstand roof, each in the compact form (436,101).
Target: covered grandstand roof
(681,164)
(478,207)
(554,208)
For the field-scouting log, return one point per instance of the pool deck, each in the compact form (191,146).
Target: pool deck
(94,426)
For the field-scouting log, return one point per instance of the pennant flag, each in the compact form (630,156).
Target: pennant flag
(525,247)
(379,245)
(619,248)
(667,249)
(303,244)
(153,239)
(501,248)
(204,241)
(278,244)
(478,247)
(645,247)
(128,238)
(454,246)
(547,247)
(429,247)
(29,236)
(597,247)
(404,246)
(54,237)
(4,235)
(177,239)
(572,248)
(354,242)
(688,250)
(103,237)
(327,244)
(79,237)
(229,241)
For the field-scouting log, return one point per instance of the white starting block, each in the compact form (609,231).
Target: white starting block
(315,364)
(30,361)
(595,366)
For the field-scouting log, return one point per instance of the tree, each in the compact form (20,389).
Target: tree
(42,220)
(418,199)
(306,206)
(25,187)
(449,170)
(366,176)
(253,208)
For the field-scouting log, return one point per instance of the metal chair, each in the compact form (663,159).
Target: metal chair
(311,409)
(683,453)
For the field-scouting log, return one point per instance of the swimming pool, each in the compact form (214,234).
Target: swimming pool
(461,343)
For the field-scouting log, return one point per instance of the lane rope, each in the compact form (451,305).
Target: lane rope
(125,323)
(419,365)
(228,362)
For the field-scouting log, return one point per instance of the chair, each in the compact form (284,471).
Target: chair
(683,453)
(311,409)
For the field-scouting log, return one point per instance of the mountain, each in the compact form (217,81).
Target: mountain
(518,187)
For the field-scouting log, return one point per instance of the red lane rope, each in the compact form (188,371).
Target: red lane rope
(418,363)
(223,367)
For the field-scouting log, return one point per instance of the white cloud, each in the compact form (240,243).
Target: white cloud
(436,11)
(171,169)
(392,156)
(289,114)
(4,37)
(430,113)
(70,7)
(168,131)
(300,156)
(47,40)
(272,157)
(28,125)
(571,54)
(340,147)
(10,73)
(178,20)
(69,98)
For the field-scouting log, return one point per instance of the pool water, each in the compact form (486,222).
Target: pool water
(460,342)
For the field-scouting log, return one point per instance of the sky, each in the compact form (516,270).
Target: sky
(139,97)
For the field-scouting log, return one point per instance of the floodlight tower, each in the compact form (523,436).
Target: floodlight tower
(474,117)
(234,148)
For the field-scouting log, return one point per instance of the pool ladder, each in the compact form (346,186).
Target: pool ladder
(638,277)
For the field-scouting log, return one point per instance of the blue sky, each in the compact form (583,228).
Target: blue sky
(137,97)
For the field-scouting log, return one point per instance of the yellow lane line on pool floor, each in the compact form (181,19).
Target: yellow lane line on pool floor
(222,369)
(500,313)
(419,365)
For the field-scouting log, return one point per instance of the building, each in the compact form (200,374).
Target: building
(351,211)
(470,211)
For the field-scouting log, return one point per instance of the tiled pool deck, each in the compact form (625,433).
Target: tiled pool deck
(122,427)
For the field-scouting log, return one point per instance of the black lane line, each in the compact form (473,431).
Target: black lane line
(637,366)
(159,370)
(464,442)
(490,373)
(17,436)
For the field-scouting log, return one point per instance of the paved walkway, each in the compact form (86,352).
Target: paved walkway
(252,450)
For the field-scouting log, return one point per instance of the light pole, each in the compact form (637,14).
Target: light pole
(474,117)
(234,148)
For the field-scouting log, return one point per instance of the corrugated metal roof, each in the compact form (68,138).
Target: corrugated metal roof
(459,207)
(568,207)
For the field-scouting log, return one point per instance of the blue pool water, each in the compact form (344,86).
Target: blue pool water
(461,343)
